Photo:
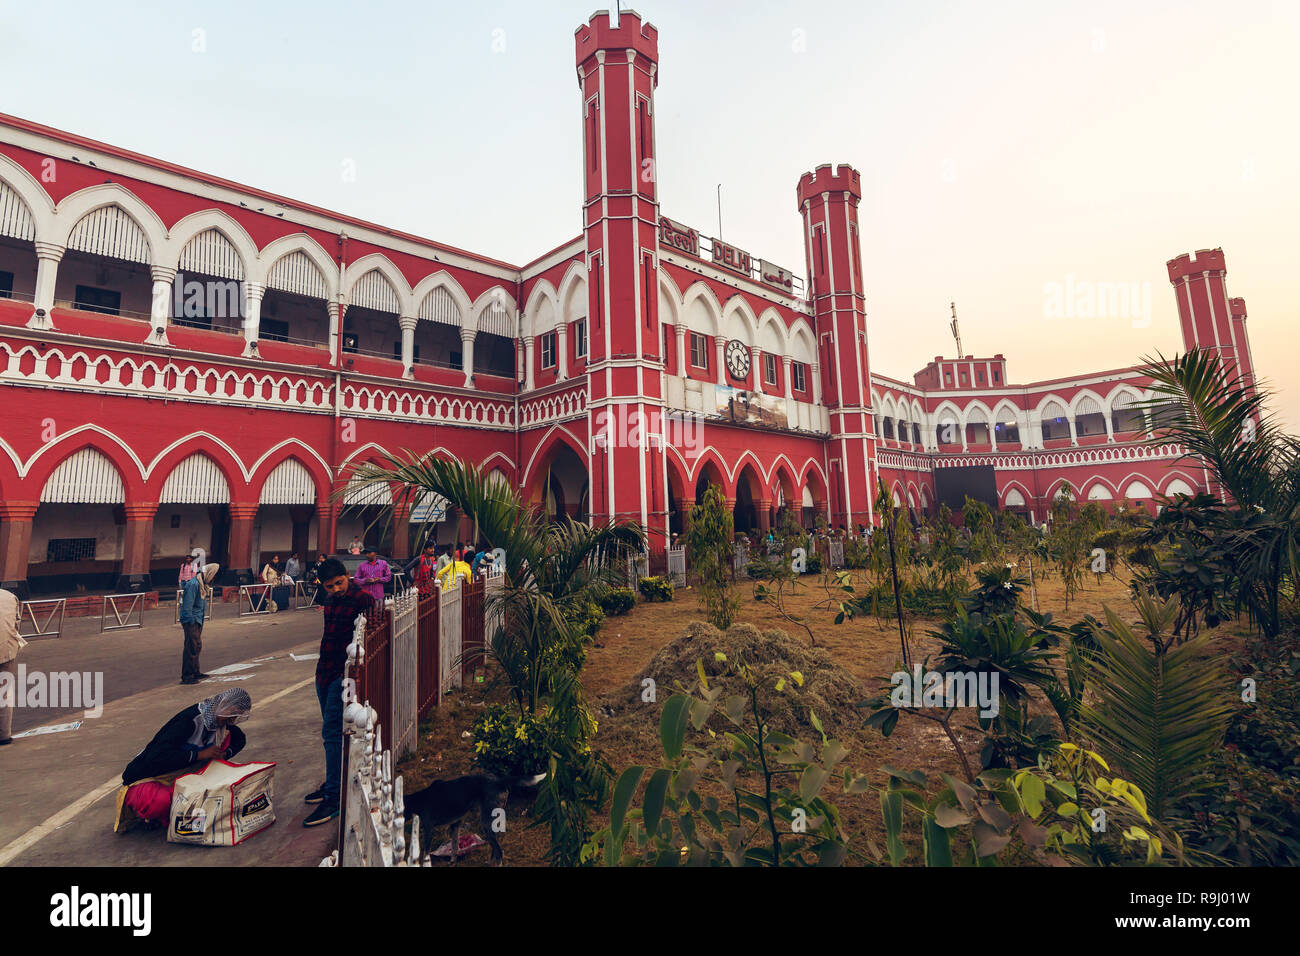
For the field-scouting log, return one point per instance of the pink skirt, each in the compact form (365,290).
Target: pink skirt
(150,800)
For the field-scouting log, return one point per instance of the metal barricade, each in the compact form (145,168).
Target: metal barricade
(258,597)
(677,566)
(28,613)
(302,594)
(176,615)
(134,604)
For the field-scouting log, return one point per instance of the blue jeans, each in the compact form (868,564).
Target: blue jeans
(331,734)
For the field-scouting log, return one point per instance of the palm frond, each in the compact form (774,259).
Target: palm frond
(1157,717)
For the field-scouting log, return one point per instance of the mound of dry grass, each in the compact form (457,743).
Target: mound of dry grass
(828,689)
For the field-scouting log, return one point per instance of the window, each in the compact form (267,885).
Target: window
(6,285)
(979,377)
(456,360)
(769,369)
(70,549)
(548,350)
(947,378)
(997,377)
(274,330)
(101,300)
(699,351)
(799,375)
(349,343)
(580,338)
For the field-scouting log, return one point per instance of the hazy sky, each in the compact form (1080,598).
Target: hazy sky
(1008,151)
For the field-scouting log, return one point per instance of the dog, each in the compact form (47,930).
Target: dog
(445,802)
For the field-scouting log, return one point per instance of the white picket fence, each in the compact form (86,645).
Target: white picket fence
(450,639)
(405,643)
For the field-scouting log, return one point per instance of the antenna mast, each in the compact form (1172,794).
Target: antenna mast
(956,332)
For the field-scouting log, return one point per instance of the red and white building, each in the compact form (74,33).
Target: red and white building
(189,362)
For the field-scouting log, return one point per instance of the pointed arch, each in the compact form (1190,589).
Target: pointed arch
(542,311)
(218,452)
(36,201)
(299,244)
(196,223)
(76,207)
(378,262)
(739,321)
(571,299)
(306,456)
(701,310)
(773,337)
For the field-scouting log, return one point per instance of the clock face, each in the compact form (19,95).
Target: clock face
(737,359)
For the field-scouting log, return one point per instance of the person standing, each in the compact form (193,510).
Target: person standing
(345,602)
(10,644)
(271,571)
(293,569)
(372,574)
(194,610)
(354,546)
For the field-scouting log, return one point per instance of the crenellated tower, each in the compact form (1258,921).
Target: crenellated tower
(828,201)
(1208,317)
(617,74)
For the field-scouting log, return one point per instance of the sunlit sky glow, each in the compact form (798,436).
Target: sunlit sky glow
(1004,147)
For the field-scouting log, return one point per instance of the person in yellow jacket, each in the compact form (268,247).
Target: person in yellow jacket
(450,574)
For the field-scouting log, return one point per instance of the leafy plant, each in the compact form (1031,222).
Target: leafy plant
(617,601)
(1158,714)
(710,550)
(510,744)
(772,813)
(656,588)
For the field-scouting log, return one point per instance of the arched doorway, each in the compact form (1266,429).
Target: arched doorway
(561,486)
(745,513)
(78,532)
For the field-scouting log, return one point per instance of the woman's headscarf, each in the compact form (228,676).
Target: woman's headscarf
(233,705)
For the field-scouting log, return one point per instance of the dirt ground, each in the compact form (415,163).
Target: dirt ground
(628,736)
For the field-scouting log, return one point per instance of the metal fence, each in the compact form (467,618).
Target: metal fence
(122,619)
(257,597)
(45,618)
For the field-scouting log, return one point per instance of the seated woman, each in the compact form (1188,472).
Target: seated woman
(199,733)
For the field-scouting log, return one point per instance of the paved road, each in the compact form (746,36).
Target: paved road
(138,659)
(58,789)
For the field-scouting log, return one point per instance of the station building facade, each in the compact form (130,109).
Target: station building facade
(190,362)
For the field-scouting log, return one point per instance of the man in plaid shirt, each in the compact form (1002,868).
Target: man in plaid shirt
(342,605)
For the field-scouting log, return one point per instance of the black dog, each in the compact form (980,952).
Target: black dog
(446,802)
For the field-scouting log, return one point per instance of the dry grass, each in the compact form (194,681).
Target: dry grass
(628,732)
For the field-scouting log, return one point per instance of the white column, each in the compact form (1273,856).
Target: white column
(680,331)
(48,256)
(467,354)
(561,352)
(253,293)
(721,345)
(1110,425)
(755,355)
(335,310)
(530,342)
(408,324)
(160,313)
(1074,437)
(786,363)
(817,388)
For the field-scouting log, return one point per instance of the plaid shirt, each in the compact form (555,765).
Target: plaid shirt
(340,617)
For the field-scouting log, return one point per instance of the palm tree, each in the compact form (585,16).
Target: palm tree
(1222,421)
(551,568)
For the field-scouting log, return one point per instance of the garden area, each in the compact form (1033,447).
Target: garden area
(1110,687)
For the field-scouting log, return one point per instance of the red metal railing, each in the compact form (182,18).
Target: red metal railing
(429,679)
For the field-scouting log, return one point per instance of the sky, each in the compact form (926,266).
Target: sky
(1015,156)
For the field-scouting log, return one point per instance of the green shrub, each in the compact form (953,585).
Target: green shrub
(814,564)
(508,744)
(587,617)
(656,588)
(618,602)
